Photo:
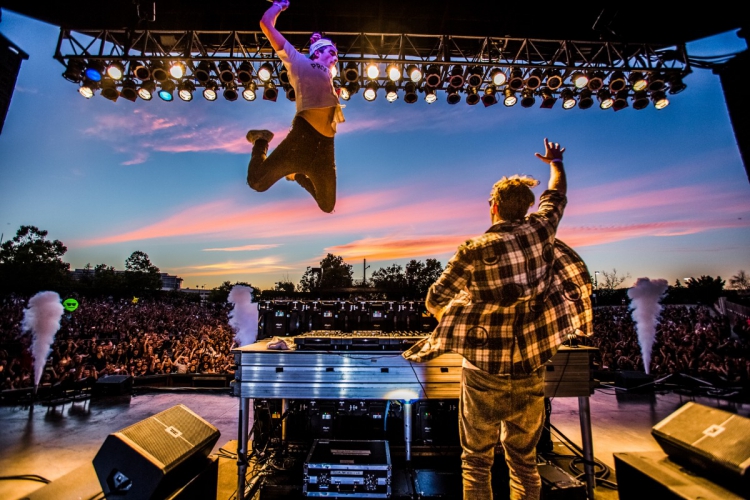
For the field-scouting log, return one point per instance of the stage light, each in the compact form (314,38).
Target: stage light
(248,93)
(371,91)
(203,72)
(352,87)
(109,90)
(640,100)
(456,78)
(158,72)
(141,71)
(185,90)
(621,100)
(265,72)
(534,80)
(166,89)
(596,80)
(605,98)
(128,91)
(351,72)
(498,77)
(676,85)
(429,95)
(344,93)
(146,90)
(394,73)
(472,96)
(94,71)
(527,98)
(475,78)
(73,71)
(585,99)
(209,93)
(617,81)
(548,98)
(568,99)
(230,92)
(452,96)
(638,81)
(226,75)
(554,78)
(510,98)
(391,92)
(372,71)
(410,93)
(270,93)
(87,89)
(579,80)
(432,77)
(660,99)
(177,69)
(489,98)
(516,80)
(283,76)
(656,83)
(245,73)
(116,70)
(414,73)
(290,93)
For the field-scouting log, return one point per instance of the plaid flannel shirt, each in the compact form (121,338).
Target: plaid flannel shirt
(516,288)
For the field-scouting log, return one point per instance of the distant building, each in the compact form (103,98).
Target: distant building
(168,282)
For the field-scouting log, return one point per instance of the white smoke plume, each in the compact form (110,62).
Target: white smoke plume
(42,318)
(244,315)
(645,296)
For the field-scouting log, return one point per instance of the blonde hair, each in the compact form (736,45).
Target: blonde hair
(513,196)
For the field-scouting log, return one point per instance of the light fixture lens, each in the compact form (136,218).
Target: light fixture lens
(660,100)
(372,71)
(344,93)
(177,69)
(93,73)
(371,91)
(264,72)
(86,90)
(579,79)
(394,74)
(115,71)
(510,98)
(415,74)
(498,77)
(430,96)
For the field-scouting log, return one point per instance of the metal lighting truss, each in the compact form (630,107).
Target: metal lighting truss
(670,63)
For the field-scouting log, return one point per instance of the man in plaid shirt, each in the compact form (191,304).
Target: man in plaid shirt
(506,301)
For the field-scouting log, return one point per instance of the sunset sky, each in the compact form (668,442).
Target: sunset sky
(658,194)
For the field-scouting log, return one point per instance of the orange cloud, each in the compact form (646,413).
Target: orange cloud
(245,248)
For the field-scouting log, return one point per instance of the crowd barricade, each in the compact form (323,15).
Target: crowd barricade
(184,380)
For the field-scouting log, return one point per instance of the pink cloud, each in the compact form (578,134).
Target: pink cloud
(394,248)
(245,248)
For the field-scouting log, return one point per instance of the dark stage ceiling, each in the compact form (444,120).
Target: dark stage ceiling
(657,24)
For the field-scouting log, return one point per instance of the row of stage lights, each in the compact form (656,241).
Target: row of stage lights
(611,91)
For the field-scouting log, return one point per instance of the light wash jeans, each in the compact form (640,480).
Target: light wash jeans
(512,407)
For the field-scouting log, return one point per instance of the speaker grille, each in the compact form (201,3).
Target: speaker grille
(170,436)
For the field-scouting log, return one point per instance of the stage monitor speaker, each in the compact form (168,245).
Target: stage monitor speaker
(634,380)
(113,385)
(156,456)
(710,440)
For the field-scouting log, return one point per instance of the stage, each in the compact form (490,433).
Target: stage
(52,441)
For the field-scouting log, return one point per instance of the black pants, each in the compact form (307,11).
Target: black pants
(304,151)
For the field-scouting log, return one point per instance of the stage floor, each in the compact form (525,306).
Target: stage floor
(52,441)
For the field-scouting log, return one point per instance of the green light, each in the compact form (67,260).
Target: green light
(70,305)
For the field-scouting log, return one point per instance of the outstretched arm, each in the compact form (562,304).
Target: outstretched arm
(553,155)
(268,24)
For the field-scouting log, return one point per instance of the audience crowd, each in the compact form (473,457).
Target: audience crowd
(690,340)
(171,336)
(117,337)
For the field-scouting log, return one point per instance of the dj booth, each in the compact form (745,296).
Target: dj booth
(337,371)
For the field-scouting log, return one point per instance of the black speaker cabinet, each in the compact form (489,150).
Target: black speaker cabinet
(113,385)
(156,456)
(712,441)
